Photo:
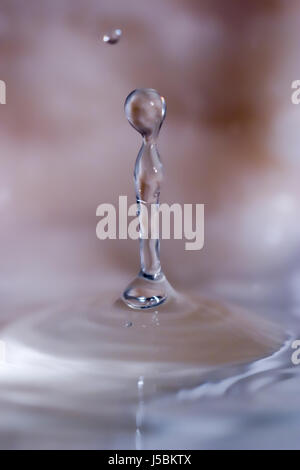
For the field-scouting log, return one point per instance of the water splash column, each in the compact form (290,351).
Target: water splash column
(145,110)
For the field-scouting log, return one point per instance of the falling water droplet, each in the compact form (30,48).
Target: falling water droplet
(113,37)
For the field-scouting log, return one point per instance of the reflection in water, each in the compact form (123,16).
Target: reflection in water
(257,407)
(139,414)
(77,377)
(252,377)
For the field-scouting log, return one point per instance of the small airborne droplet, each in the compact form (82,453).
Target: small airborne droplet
(113,37)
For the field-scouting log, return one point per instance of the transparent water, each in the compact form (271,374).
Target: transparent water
(145,110)
(214,376)
(113,37)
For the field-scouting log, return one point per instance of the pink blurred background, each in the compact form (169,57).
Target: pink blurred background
(230,139)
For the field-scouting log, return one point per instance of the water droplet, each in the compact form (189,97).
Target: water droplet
(113,37)
(128,324)
(145,109)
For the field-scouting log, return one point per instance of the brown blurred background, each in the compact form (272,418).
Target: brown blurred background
(230,139)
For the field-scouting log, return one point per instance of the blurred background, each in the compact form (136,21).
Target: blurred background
(230,140)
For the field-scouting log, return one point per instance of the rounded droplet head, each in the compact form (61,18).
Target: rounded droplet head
(145,110)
